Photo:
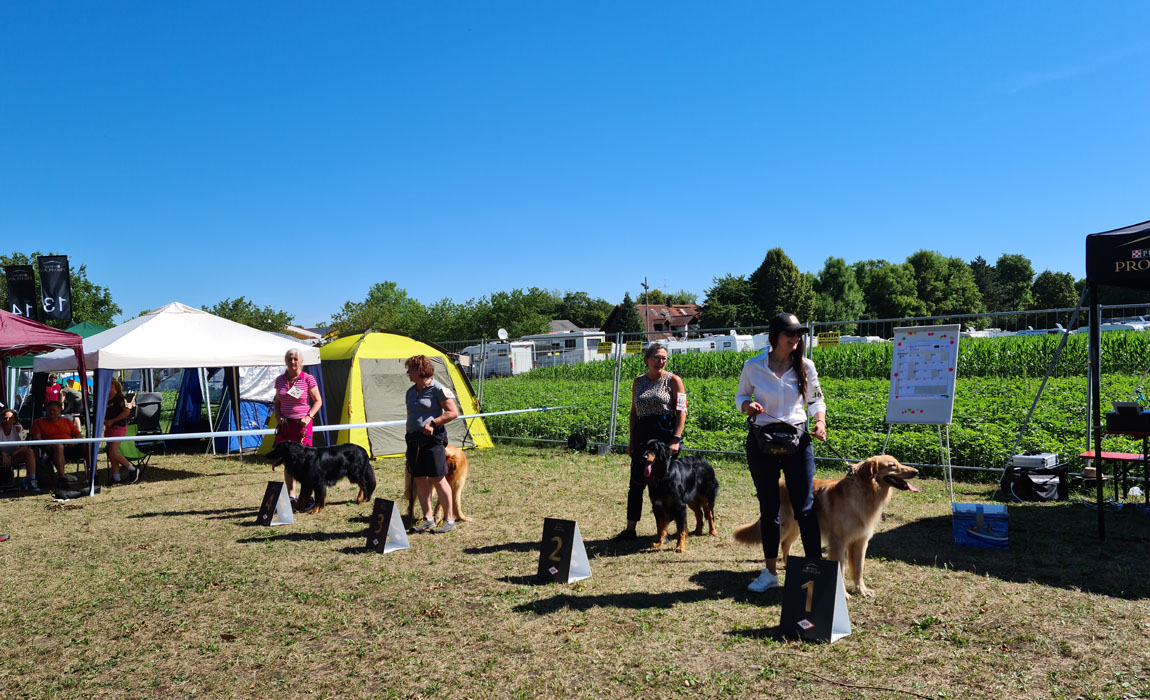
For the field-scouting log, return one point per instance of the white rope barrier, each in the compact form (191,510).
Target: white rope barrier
(160,437)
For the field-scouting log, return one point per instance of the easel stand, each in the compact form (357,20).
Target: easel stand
(922,383)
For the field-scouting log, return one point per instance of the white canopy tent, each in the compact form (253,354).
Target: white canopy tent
(178,336)
(175,336)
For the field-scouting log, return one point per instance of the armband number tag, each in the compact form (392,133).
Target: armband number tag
(681,401)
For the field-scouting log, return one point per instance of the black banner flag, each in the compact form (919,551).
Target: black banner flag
(22,290)
(55,287)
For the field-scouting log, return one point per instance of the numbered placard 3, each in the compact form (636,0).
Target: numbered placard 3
(385,532)
(275,509)
(562,556)
(814,601)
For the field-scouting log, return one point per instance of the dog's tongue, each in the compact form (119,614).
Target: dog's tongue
(912,488)
(647,472)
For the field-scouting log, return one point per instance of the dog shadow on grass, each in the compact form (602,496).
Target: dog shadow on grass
(596,549)
(210,514)
(1053,544)
(711,585)
(358,534)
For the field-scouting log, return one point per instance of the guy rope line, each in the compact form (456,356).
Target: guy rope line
(271,431)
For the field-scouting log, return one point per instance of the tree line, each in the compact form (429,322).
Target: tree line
(927,283)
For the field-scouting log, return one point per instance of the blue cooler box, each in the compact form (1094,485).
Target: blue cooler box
(981,525)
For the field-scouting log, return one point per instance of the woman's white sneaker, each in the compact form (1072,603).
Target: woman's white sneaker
(764,581)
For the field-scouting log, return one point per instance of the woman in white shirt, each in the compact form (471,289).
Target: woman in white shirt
(782,386)
(12,451)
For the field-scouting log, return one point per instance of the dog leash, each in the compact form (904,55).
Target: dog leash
(850,467)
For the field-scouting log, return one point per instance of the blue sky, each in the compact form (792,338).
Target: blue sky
(295,153)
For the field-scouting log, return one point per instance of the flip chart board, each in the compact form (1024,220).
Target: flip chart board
(922,375)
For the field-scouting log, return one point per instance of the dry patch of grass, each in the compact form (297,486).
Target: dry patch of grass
(167,589)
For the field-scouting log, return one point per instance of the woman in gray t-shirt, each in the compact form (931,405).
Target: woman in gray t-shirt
(430,407)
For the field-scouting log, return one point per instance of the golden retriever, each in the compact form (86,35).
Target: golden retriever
(456,479)
(848,510)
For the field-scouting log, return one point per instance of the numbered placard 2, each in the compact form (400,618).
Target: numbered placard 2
(562,556)
(385,532)
(815,601)
(275,509)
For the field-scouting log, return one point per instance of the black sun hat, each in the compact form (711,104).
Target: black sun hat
(787,322)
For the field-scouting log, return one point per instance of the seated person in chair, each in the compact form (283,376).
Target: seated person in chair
(53,427)
(12,451)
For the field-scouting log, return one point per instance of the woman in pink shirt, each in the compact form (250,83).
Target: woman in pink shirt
(296,403)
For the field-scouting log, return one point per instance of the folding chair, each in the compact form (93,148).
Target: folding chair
(132,452)
(147,421)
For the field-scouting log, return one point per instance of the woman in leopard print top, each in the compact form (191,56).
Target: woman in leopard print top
(658,412)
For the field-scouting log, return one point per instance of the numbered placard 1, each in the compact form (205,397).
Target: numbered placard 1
(815,601)
(275,509)
(385,533)
(562,556)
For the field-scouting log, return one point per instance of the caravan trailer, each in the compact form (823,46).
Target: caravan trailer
(504,359)
(711,343)
(567,347)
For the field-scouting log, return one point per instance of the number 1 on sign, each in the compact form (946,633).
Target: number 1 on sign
(809,587)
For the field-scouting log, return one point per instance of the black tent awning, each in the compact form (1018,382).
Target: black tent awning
(1120,257)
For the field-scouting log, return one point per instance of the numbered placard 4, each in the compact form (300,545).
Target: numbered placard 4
(385,532)
(562,556)
(814,601)
(275,509)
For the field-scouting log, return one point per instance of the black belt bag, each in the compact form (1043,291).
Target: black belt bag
(776,439)
(418,438)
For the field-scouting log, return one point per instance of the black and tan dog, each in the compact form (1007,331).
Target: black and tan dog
(316,468)
(848,510)
(676,484)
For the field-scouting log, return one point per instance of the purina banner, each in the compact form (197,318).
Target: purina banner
(55,287)
(22,291)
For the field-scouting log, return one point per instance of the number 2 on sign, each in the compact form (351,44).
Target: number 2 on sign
(809,587)
(558,546)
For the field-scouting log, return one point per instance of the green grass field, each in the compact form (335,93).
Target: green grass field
(998,379)
(166,589)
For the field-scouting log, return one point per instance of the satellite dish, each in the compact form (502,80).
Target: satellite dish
(502,333)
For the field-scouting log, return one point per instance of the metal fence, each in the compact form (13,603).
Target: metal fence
(1003,362)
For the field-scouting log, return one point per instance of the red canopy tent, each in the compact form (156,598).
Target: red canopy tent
(20,336)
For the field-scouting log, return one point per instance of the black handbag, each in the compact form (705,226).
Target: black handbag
(776,439)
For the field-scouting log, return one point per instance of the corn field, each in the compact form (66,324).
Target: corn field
(998,379)
(1123,352)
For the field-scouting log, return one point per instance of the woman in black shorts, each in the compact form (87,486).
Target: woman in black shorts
(430,407)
